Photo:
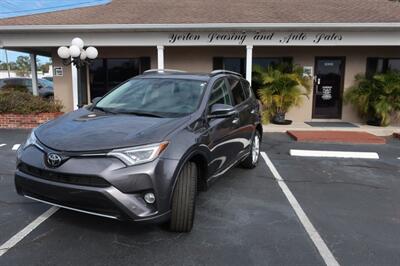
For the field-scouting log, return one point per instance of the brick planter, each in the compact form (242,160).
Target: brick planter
(26,120)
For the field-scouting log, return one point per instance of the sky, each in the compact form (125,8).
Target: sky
(12,56)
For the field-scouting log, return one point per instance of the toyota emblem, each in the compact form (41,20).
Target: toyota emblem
(54,160)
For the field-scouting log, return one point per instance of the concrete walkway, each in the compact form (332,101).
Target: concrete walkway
(378,131)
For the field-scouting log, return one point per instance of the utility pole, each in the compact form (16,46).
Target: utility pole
(8,65)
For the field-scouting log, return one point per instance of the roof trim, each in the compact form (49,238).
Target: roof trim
(205,26)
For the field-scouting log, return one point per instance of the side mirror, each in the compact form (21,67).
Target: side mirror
(95,100)
(219,110)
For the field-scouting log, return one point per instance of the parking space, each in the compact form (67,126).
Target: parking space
(15,211)
(353,203)
(243,219)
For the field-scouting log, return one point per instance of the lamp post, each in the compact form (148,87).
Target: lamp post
(79,57)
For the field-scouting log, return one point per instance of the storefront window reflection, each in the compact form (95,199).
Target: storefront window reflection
(105,74)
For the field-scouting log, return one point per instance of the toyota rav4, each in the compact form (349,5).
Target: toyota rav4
(144,150)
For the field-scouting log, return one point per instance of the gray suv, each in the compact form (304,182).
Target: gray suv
(144,150)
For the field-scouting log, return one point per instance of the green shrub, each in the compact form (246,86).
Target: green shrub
(376,98)
(280,89)
(8,87)
(19,102)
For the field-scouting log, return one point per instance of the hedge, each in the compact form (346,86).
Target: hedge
(19,102)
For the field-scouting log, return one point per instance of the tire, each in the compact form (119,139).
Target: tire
(251,160)
(183,199)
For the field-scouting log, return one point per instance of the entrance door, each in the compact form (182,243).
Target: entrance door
(328,87)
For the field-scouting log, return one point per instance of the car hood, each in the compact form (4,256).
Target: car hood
(79,132)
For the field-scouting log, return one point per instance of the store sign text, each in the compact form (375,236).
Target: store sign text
(243,37)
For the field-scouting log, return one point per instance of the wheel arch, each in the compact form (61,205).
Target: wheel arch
(200,159)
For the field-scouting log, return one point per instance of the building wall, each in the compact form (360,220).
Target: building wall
(200,59)
(63,85)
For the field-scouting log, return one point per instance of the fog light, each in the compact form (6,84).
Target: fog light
(149,198)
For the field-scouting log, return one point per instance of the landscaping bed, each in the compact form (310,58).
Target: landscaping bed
(19,109)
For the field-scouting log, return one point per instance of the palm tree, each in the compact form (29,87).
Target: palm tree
(279,90)
(377,99)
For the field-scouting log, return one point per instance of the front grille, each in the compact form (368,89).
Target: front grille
(83,180)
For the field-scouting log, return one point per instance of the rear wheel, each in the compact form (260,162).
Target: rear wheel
(251,160)
(183,199)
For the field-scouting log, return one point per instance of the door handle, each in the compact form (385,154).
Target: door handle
(235,120)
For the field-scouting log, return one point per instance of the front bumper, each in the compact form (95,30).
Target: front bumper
(119,195)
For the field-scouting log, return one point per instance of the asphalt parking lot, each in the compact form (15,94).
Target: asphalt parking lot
(243,219)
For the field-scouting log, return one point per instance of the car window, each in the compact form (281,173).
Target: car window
(246,88)
(45,83)
(237,90)
(27,82)
(12,82)
(220,94)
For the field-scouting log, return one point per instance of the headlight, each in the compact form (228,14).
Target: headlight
(140,154)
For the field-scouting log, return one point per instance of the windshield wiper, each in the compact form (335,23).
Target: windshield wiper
(103,110)
(139,113)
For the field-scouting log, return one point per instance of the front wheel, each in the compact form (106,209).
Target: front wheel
(251,160)
(183,199)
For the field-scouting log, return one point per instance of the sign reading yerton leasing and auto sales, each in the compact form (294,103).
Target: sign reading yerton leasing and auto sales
(283,38)
(207,38)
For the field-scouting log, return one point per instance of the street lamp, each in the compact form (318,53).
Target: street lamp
(78,56)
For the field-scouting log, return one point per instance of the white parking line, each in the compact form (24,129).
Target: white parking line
(1,145)
(335,154)
(319,243)
(24,232)
(15,147)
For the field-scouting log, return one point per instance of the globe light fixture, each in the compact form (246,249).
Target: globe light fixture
(74,51)
(83,55)
(63,52)
(78,42)
(80,57)
(76,54)
(91,52)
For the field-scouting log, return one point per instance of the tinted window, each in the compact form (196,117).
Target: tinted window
(394,64)
(164,97)
(381,65)
(274,62)
(46,83)
(246,88)
(238,64)
(237,90)
(220,94)
(105,74)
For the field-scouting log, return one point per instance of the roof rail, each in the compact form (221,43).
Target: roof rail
(163,71)
(223,71)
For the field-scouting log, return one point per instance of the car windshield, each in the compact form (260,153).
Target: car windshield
(163,97)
